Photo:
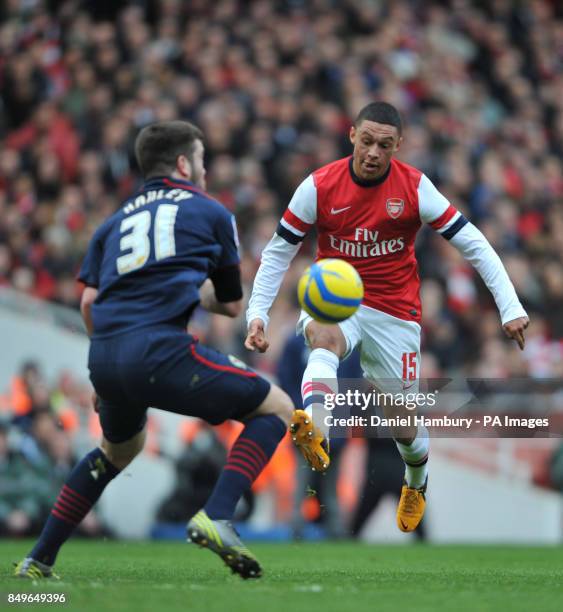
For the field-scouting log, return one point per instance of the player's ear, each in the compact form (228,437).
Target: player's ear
(184,167)
(399,143)
(353,134)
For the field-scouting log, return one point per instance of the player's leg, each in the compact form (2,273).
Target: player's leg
(391,360)
(196,380)
(211,527)
(122,419)
(329,344)
(192,379)
(263,430)
(81,491)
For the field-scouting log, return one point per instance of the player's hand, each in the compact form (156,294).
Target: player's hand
(515,329)
(256,338)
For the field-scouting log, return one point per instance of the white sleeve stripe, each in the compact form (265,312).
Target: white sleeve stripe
(291,228)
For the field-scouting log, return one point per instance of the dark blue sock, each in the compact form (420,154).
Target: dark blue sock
(248,457)
(80,492)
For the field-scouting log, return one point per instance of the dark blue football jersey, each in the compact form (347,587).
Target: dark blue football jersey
(149,259)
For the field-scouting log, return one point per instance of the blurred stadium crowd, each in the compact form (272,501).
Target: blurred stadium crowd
(41,438)
(275,85)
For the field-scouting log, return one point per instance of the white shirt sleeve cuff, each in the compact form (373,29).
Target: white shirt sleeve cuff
(250,316)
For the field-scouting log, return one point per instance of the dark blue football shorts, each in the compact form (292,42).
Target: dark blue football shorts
(168,369)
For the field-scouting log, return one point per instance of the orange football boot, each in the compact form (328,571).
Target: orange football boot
(310,441)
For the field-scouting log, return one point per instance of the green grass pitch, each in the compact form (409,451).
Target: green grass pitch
(165,577)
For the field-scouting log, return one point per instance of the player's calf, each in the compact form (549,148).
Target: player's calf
(80,492)
(308,428)
(249,455)
(211,527)
(415,455)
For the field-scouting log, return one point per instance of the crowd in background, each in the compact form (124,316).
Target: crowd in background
(275,85)
(44,428)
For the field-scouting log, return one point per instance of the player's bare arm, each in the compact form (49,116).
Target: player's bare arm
(210,302)
(89,296)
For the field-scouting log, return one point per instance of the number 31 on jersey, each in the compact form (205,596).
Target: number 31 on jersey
(135,238)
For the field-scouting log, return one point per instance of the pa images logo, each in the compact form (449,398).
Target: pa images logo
(237,362)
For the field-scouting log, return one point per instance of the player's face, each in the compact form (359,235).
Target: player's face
(192,168)
(374,145)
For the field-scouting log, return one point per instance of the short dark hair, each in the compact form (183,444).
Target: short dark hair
(158,146)
(380,112)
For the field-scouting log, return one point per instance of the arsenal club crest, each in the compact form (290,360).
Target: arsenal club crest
(395,207)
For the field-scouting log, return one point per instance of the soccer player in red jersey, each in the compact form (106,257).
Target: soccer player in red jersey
(368,208)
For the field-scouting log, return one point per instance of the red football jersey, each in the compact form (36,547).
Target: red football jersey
(372,225)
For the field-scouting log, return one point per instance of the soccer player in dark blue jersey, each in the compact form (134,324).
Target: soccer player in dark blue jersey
(167,249)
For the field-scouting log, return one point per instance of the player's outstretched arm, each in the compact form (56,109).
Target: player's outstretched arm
(476,249)
(276,257)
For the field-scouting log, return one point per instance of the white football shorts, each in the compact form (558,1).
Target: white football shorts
(390,347)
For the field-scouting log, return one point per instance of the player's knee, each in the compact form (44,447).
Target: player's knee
(285,407)
(121,455)
(279,403)
(119,459)
(326,337)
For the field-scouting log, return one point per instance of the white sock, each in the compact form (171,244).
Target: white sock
(415,456)
(319,379)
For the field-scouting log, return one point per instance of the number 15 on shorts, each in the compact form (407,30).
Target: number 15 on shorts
(409,366)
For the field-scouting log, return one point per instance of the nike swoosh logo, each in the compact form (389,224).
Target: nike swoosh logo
(335,211)
(405,387)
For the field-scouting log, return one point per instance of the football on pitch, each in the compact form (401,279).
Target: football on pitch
(330,290)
